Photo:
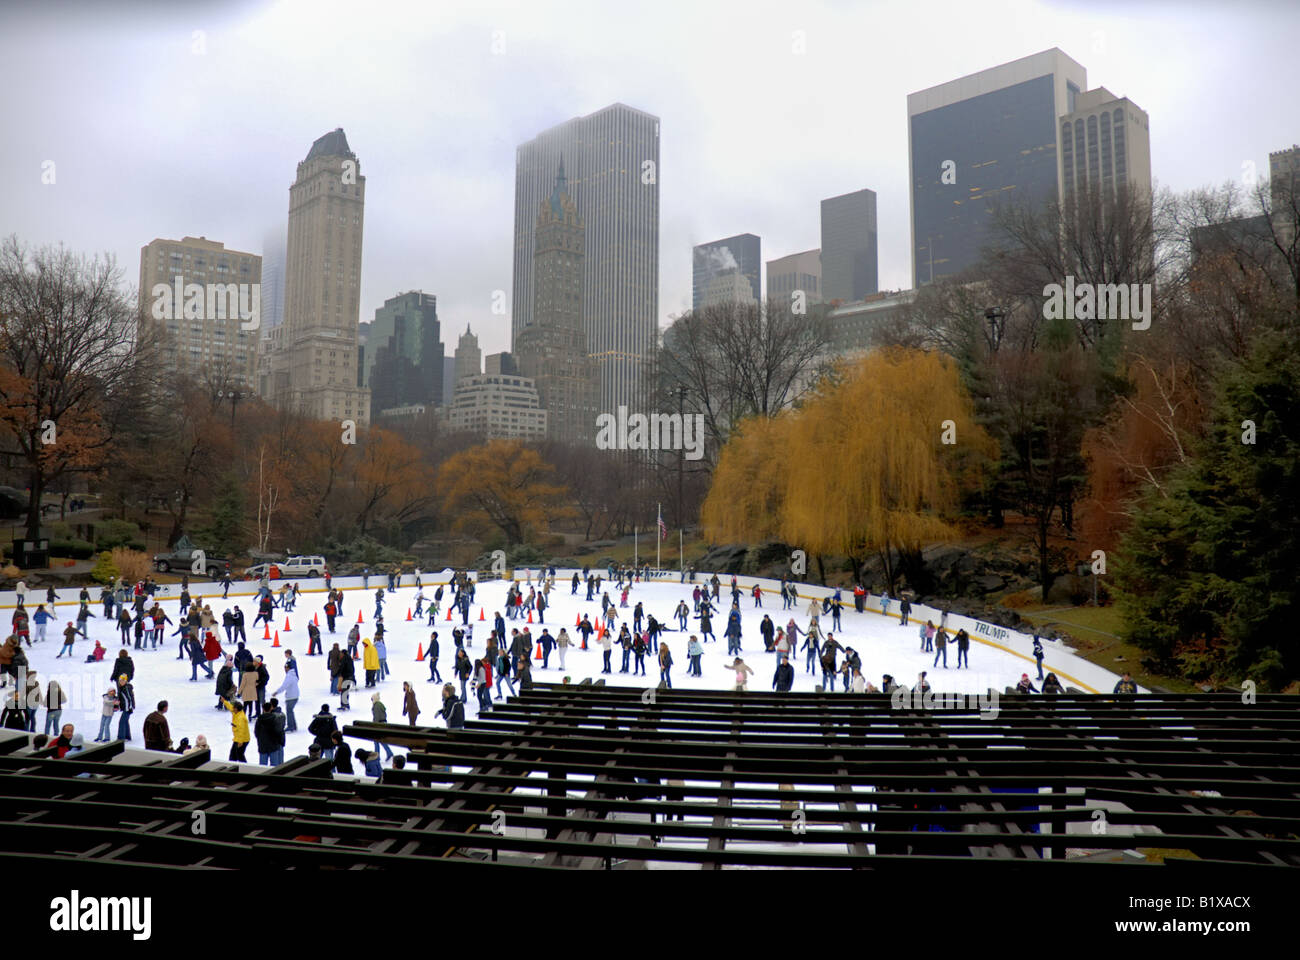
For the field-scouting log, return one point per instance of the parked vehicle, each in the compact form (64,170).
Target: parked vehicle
(182,561)
(290,568)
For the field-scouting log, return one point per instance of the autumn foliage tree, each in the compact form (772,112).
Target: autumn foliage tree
(875,461)
(502,485)
(69,362)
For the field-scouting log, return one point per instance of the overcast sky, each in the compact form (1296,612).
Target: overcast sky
(153,139)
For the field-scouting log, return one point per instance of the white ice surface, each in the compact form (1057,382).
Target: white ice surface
(884,645)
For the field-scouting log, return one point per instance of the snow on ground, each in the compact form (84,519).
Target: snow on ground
(884,645)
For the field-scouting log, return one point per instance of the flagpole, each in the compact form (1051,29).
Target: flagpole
(659,535)
(634,553)
(681,551)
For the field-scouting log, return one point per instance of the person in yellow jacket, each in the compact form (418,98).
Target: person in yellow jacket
(239,730)
(370,661)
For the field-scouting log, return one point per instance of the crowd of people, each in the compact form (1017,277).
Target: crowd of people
(261,711)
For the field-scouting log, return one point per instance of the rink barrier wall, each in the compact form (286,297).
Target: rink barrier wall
(1014,642)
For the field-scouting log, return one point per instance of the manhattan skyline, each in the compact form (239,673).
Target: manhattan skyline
(158,131)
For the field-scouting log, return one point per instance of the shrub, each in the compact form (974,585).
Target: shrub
(117,533)
(105,570)
(81,549)
(131,564)
(365,550)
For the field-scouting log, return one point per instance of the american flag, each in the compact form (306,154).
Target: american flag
(663,527)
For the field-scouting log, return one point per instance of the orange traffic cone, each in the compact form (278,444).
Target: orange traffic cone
(356,654)
(530,616)
(480,614)
(277,639)
(577,621)
(449,614)
(315,618)
(538,655)
(267,635)
(359,620)
(408,613)
(286,624)
(419,652)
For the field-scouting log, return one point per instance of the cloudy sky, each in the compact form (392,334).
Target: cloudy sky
(158,131)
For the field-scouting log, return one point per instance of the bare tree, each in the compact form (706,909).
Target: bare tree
(69,358)
(738,360)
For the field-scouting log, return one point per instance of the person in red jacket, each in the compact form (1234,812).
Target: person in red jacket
(63,742)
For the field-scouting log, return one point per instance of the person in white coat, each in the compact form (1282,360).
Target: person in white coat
(562,643)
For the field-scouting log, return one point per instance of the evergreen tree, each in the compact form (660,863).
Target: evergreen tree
(1207,575)
(226,532)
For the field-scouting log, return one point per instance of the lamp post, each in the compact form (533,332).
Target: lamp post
(234,396)
(996,317)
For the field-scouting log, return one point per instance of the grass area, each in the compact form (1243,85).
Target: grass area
(1094,633)
(645,550)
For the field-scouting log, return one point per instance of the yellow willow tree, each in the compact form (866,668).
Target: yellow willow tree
(748,490)
(875,461)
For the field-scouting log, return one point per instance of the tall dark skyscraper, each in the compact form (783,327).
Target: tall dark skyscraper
(404,353)
(986,138)
(552,350)
(741,254)
(849,261)
(611,158)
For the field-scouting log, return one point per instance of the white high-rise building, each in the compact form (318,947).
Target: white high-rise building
(314,360)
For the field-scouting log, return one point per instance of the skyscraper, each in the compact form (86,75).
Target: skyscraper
(849,267)
(1105,146)
(741,254)
(206,333)
(988,137)
(611,158)
(404,353)
(552,350)
(314,365)
(798,271)
(272,278)
(469,358)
